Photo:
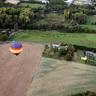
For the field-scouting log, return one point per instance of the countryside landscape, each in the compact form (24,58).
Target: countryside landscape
(47,47)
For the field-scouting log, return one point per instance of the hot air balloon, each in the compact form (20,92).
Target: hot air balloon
(16,48)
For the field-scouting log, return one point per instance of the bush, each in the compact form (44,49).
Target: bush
(48,53)
(68,57)
(3,37)
(62,51)
(57,54)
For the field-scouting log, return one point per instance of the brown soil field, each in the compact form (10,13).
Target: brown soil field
(16,72)
(50,21)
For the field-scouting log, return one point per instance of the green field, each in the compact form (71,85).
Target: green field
(31,5)
(84,39)
(89,26)
(79,55)
(90,20)
(61,78)
(52,18)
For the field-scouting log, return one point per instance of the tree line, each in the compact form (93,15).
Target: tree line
(9,16)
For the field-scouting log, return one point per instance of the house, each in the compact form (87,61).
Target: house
(69,2)
(91,57)
(43,1)
(3,32)
(66,47)
(55,45)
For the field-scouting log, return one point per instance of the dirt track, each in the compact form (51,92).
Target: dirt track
(16,71)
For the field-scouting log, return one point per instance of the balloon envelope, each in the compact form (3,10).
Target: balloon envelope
(16,48)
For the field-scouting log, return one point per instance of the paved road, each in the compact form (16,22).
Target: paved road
(23,42)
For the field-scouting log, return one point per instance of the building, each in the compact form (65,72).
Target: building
(69,2)
(43,1)
(91,57)
(55,45)
(3,32)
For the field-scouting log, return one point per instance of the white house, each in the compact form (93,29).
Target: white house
(69,2)
(66,47)
(55,45)
(43,1)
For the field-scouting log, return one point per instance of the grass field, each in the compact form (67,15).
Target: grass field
(88,40)
(89,26)
(52,18)
(31,5)
(61,78)
(90,20)
(79,55)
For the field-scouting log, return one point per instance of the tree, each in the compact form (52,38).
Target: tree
(68,57)
(71,49)
(80,18)
(57,54)
(0,37)
(4,37)
(16,27)
(7,33)
(62,51)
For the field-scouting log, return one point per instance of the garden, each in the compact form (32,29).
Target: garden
(51,18)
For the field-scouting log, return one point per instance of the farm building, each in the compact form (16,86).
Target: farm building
(69,2)
(55,45)
(43,1)
(91,57)
(4,31)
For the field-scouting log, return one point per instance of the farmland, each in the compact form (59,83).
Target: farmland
(52,18)
(61,78)
(16,72)
(31,5)
(84,39)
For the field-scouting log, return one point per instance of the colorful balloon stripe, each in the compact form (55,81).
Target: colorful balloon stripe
(16,48)
(16,51)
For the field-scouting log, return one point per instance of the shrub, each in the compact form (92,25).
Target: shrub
(62,51)
(57,54)
(3,37)
(68,57)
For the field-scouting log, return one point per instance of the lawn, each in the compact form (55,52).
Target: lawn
(52,18)
(31,5)
(79,55)
(89,26)
(89,21)
(61,78)
(84,39)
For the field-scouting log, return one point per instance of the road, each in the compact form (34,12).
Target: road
(23,42)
